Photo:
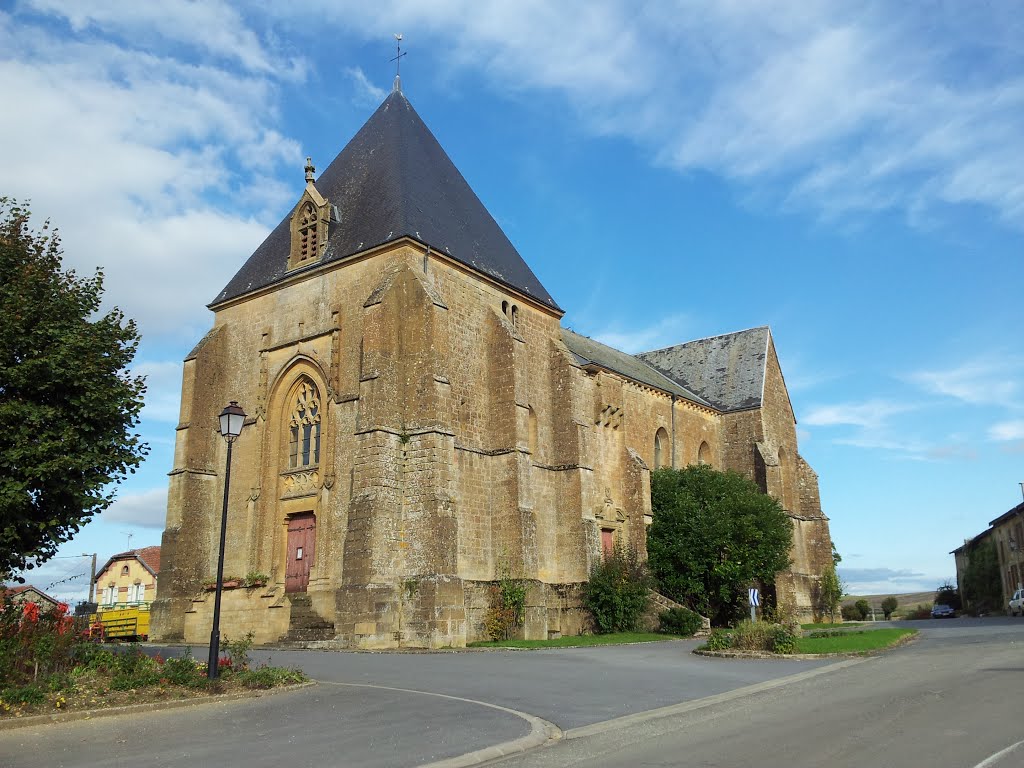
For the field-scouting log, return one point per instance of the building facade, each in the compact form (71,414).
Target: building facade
(128,578)
(420,424)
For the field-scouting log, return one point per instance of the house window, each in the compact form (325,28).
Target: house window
(110,595)
(304,423)
(136,593)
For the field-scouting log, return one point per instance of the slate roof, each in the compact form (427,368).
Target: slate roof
(393,179)
(727,371)
(588,351)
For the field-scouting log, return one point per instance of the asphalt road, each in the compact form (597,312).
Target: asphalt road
(952,699)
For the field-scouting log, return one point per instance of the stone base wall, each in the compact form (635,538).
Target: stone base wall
(552,610)
(264,613)
(798,592)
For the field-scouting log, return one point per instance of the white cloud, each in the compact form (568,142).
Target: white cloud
(163,390)
(210,27)
(666,332)
(150,166)
(1007,430)
(872,414)
(366,92)
(978,382)
(828,107)
(143,510)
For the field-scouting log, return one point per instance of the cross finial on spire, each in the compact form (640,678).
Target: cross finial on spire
(398,62)
(310,169)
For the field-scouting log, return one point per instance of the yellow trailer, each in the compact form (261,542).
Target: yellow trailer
(114,623)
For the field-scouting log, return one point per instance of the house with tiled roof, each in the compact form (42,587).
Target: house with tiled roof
(26,593)
(420,423)
(128,578)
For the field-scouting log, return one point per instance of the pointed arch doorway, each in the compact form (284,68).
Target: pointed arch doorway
(301,551)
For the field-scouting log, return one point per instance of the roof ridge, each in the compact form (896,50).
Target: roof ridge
(708,338)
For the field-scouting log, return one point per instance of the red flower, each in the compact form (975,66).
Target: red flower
(30,612)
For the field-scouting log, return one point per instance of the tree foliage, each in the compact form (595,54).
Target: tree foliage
(714,535)
(983,589)
(68,405)
(889,605)
(618,592)
(948,594)
(830,593)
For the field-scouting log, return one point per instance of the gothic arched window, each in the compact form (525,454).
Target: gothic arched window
(704,454)
(661,448)
(304,424)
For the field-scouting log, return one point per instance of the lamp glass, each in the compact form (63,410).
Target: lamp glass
(232,418)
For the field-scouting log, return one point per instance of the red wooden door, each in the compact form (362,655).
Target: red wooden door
(607,542)
(301,543)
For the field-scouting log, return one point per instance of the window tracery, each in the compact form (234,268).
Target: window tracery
(304,424)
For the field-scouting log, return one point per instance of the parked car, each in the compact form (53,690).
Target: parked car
(940,611)
(1016,606)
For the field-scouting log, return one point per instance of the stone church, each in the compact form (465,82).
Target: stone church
(420,424)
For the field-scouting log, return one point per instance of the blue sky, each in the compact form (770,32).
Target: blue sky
(848,174)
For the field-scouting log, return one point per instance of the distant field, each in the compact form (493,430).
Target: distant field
(905,600)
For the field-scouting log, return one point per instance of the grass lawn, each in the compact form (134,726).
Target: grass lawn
(837,625)
(614,638)
(853,642)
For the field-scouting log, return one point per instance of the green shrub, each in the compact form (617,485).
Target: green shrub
(183,670)
(849,613)
(269,677)
(508,608)
(237,651)
(782,639)
(134,669)
(618,592)
(921,612)
(863,609)
(679,621)
(720,640)
(30,695)
(889,605)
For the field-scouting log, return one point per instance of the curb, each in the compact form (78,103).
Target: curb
(768,655)
(541,731)
(131,709)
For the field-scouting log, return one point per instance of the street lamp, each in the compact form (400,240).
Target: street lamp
(232,418)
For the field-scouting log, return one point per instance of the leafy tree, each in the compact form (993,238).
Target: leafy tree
(67,403)
(618,591)
(830,593)
(948,594)
(889,605)
(863,608)
(836,557)
(714,535)
(983,590)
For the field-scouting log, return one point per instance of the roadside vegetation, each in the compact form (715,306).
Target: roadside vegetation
(610,638)
(46,668)
(782,639)
(714,535)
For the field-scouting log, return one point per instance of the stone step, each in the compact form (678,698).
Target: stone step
(305,624)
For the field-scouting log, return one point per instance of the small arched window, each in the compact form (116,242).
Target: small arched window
(515,315)
(307,232)
(304,426)
(124,570)
(704,454)
(661,448)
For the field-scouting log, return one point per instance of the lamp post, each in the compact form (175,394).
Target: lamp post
(231,420)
